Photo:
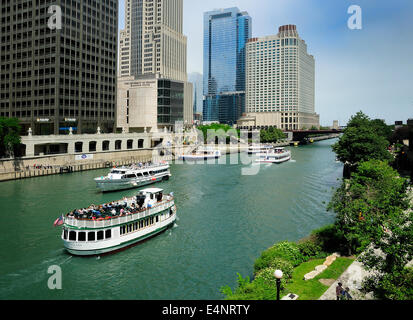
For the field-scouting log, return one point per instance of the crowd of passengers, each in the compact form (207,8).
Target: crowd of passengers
(112,210)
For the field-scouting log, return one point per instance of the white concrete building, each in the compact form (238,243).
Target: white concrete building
(280,82)
(151,104)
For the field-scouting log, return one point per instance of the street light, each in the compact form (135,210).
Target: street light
(278,274)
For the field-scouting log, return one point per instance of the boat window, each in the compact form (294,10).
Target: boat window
(141,224)
(151,173)
(108,234)
(140,174)
(72,235)
(81,236)
(65,234)
(145,174)
(157,218)
(136,226)
(131,176)
(100,235)
(91,236)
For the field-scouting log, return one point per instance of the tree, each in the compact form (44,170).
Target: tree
(368,203)
(271,135)
(9,136)
(363,140)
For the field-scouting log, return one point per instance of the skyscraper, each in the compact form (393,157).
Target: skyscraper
(226,32)
(280,88)
(153,64)
(153,40)
(53,79)
(197,79)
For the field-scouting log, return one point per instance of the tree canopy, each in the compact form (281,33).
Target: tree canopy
(373,216)
(271,135)
(363,139)
(9,135)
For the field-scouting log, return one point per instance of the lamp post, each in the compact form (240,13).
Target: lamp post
(278,274)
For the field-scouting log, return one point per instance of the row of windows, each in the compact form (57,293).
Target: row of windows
(83,236)
(132,227)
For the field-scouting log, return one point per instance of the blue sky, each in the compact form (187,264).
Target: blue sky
(369,69)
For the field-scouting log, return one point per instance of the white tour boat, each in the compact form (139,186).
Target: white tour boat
(201,154)
(118,225)
(278,155)
(259,149)
(132,177)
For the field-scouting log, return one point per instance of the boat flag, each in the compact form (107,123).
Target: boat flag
(59,221)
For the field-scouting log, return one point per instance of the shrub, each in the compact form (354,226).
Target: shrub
(280,264)
(286,250)
(259,289)
(267,276)
(329,239)
(310,248)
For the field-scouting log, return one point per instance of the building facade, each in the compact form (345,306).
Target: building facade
(151,104)
(53,79)
(197,79)
(155,42)
(280,82)
(153,67)
(226,33)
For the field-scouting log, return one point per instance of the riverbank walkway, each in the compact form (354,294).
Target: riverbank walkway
(353,277)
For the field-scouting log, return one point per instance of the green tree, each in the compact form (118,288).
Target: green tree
(363,140)
(9,136)
(367,203)
(271,135)
(220,130)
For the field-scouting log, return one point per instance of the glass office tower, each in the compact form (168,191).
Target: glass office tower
(226,33)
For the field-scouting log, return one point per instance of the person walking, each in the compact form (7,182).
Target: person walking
(339,290)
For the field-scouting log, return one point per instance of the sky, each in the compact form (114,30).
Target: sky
(369,69)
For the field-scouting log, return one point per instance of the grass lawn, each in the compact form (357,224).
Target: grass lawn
(314,289)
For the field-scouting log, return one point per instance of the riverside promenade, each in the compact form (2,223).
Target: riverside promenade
(353,277)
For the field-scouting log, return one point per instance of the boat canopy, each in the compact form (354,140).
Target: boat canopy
(152,190)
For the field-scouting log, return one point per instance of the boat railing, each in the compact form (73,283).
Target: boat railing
(106,223)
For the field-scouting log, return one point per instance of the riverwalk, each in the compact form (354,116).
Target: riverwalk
(353,277)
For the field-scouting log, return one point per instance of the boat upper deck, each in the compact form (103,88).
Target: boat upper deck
(147,202)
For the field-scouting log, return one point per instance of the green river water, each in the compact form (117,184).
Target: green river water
(226,220)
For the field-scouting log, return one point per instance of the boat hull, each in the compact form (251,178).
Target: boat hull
(117,245)
(99,252)
(116,185)
(276,161)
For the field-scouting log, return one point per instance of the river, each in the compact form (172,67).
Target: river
(226,220)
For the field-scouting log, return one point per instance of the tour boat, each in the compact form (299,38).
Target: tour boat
(278,155)
(201,154)
(259,149)
(133,176)
(118,225)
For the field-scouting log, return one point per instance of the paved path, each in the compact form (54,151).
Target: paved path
(351,278)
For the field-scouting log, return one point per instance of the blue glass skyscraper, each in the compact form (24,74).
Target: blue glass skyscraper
(226,33)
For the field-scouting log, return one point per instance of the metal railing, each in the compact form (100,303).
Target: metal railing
(115,221)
